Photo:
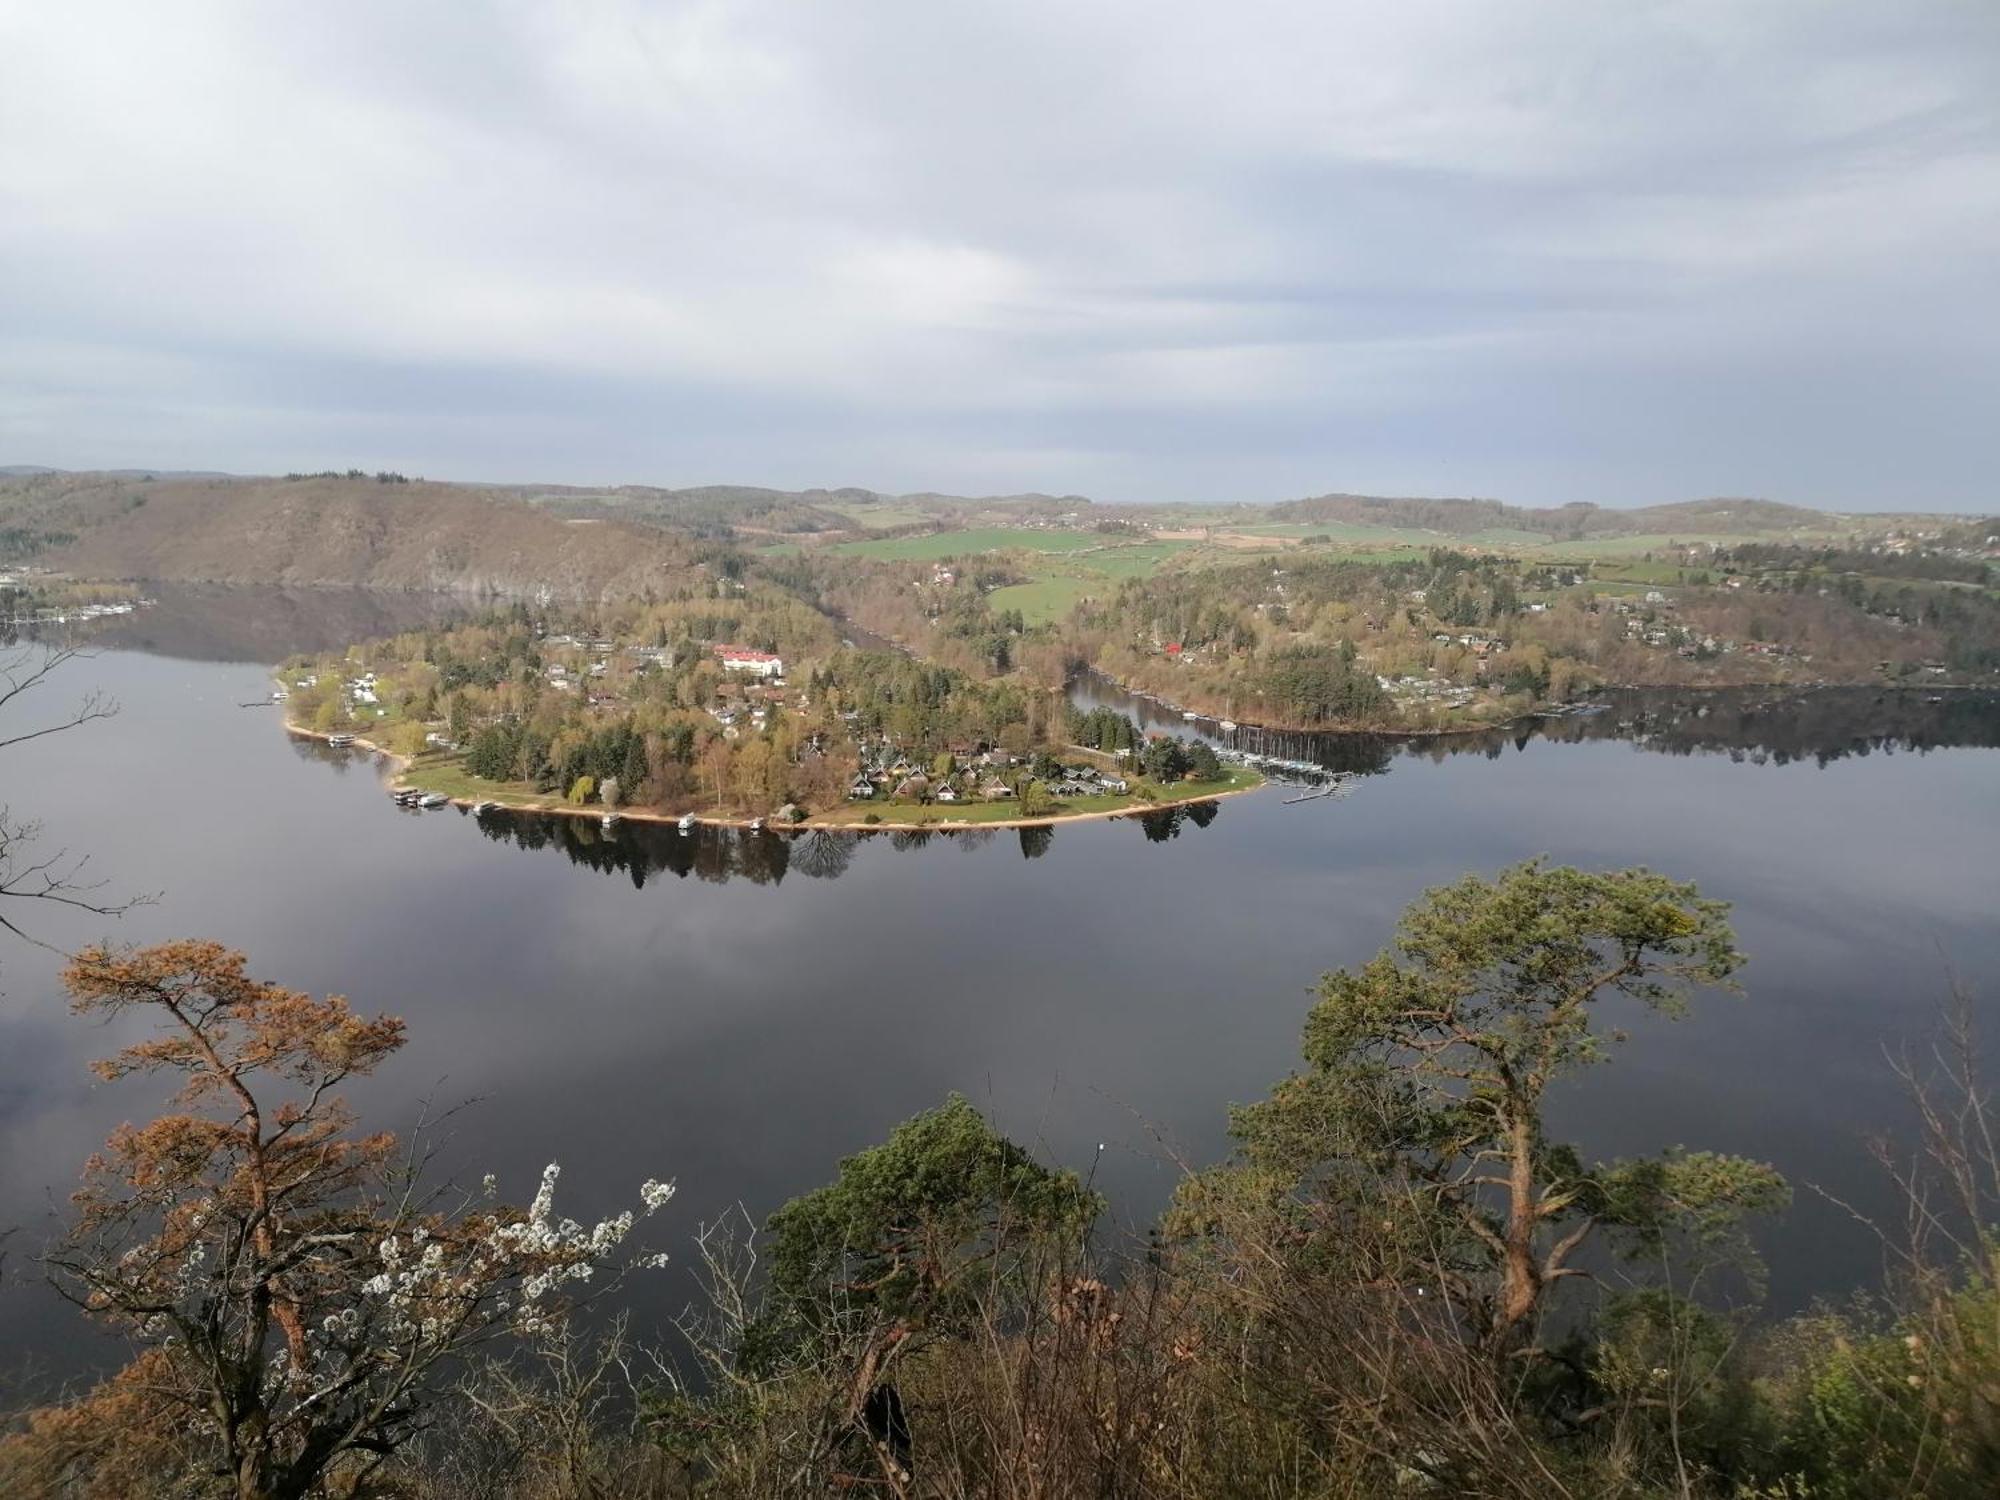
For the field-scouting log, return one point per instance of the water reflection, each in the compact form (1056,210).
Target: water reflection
(215,622)
(1749,726)
(744,1033)
(1754,725)
(643,851)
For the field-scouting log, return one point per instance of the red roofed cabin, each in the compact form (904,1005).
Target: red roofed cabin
(756,663)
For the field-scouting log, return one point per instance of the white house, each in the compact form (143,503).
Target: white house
(756,663)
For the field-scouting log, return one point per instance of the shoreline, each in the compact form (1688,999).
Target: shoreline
(1539,710)
(399,766)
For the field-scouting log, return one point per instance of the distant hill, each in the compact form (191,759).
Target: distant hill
(577,542)
(720,509)
(1454,517)
(16,471)
(325,531)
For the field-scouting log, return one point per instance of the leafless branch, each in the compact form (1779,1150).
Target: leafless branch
(26,873)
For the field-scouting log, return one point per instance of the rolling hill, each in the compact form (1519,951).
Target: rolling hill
(339,532)
(1466,517)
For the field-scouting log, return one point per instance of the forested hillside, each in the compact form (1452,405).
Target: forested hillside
(374,532)
(1469,517)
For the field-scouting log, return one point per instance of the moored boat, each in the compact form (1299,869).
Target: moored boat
(686,824)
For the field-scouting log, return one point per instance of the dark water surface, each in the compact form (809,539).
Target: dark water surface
(737,1012)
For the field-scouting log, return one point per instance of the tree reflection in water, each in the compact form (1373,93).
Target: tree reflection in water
(1754,726)
(641,851)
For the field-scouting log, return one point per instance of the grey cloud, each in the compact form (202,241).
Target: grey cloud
(1547,252)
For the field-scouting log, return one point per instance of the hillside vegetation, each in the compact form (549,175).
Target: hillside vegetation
(333,531)
(1339,611)
(1466,518)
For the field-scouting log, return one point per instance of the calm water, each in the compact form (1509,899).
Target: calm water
(738,1012)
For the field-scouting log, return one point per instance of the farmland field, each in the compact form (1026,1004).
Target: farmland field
(1633,546)
(878,517)
(942,544)
(1048,598)
(1337,531)
(1060,581)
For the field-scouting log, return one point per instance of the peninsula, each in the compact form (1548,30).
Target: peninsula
(637,712)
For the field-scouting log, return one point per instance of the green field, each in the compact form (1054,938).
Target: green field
(1048,598)
(1638,570)
(878,517)
(1504,536)
(1632,546)
(1337,531)
(941,544)
(1070,565)
(1063,579)
(1129,559)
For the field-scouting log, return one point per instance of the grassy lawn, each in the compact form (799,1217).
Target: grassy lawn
(447,774)
(1130,559)
(1062,580)
(1048,598)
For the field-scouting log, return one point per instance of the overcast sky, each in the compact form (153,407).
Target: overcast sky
(1150,251)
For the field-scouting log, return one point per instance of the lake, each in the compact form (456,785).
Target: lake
(738,1011)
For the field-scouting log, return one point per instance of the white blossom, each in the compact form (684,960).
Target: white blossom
(545,1196)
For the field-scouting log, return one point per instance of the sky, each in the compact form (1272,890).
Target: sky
(1544,252)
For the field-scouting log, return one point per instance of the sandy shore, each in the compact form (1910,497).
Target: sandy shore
(400,764)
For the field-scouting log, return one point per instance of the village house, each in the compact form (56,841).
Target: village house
(754,663)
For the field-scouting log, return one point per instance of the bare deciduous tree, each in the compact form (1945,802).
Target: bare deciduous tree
(28,872)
